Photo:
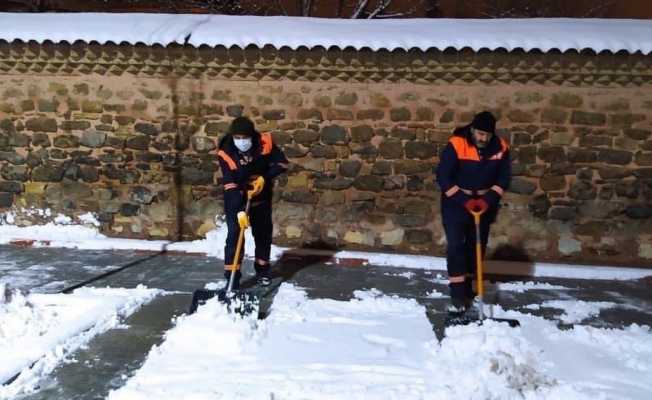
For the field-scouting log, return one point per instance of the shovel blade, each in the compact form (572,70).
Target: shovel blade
(513,323)
(466,320)
(237,301)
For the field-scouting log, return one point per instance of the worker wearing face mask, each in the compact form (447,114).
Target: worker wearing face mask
(473,173)
(249,161)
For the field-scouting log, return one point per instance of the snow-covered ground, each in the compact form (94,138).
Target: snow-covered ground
(81,233)
(37,331)
(574,311)
(382,347)
(374,346)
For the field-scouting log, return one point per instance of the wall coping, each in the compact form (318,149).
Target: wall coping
(320,64)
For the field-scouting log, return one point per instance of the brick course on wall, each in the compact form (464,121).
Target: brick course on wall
(129,133)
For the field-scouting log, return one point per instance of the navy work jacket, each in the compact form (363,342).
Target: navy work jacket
(464,165)
(263,159)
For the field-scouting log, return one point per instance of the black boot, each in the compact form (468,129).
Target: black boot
(469,293)
(458,299)
(236,279)
(458,309)
(263,275)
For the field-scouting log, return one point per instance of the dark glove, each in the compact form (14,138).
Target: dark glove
(491,198)
(252,169)
(476,205)
(460,198)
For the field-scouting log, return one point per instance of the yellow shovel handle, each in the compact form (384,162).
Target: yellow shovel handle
(478,254)
(238,246)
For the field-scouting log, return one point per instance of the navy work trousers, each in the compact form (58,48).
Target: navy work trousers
(260,218)
(460,237)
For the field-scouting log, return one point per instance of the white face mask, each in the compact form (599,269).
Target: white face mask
(242,144)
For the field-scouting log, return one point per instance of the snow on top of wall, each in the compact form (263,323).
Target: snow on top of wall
(391,34)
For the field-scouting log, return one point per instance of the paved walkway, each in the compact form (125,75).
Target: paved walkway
(112,357)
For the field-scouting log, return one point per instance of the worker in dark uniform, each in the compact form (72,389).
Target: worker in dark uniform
(473,174)
(249,161)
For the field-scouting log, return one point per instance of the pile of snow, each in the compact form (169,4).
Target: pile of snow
(531,33)
(311,349)
(597,362)
(382,347)
(38,330)
(60,230)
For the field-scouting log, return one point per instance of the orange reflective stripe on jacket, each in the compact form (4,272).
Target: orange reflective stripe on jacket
(266,143)
(503,149)
(503,145)
(228,160)
(463,149)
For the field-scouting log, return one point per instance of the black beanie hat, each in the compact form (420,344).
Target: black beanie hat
(484,121)
(242,126)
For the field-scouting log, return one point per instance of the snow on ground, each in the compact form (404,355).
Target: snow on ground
(530,33)
(521,287)
(87,237)
(381,347)
(440,279)
(371,346)
(406,275)
(37,331)
(24,277)
(574,310)
(600,363)
(435,294)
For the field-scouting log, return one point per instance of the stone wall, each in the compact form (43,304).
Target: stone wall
(129,133)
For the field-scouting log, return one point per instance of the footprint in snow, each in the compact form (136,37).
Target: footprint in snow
(384,341)
(304,338)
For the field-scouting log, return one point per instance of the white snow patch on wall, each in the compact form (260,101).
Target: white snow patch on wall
(214,30)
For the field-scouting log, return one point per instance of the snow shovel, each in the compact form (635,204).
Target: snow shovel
(465,318)
(240,301)
(479,273)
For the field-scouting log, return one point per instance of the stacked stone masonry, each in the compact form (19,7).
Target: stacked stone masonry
(129,133)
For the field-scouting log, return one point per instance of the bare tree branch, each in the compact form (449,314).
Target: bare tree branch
(380,8)
(328,8)
(340,5)
(281,7)
(359,8)
(545,8)
(598,9)
(307,8)
(395,15)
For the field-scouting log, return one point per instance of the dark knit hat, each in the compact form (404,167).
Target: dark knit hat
(484,121)
(242,126)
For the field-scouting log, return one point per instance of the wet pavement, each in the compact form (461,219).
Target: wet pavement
(109,359)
